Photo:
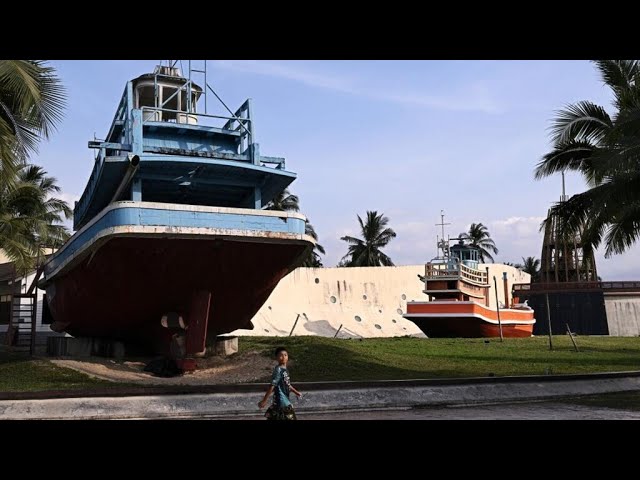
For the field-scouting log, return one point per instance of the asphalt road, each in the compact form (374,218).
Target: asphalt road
(511,411)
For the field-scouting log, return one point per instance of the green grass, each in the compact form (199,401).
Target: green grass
(327,359)
(20,373)
(319,358)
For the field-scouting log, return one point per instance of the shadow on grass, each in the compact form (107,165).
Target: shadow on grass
(22,373)
(318,359)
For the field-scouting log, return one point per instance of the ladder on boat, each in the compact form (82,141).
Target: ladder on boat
(21,333)
(22,324)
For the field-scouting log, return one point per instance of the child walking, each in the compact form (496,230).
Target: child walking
(281,408)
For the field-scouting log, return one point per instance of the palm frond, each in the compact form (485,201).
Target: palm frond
(571,155)
(583,121)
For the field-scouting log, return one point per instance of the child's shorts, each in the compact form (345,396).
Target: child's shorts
(283,413)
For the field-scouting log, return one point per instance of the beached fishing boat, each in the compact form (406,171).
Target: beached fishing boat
(171,223)
(458,303)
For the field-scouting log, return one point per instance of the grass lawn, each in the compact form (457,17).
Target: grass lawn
(319,358)
(326,359)
(20,373)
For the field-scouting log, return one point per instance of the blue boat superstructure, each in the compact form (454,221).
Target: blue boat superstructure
(171,222)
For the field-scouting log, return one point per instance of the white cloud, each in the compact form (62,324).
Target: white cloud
(516,237)
(619,267)
(291,73)
(516,226)
(70,198)
(473,98)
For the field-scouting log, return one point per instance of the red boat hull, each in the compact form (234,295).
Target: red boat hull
(468,320)
(122,291)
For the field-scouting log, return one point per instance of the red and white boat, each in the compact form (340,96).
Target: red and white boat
(459,300)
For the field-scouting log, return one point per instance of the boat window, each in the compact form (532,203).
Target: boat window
(145,98)
(184,103)
(171,104)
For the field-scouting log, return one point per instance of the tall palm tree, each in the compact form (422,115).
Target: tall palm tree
(344,262)
(367,252)
(32,101)
(531,265)
(478,236)
(605,149)
(313,259)
(30,217)
(287,202)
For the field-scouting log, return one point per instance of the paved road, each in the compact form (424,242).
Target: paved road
(514,411)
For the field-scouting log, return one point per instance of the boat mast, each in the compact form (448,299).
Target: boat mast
(443,244)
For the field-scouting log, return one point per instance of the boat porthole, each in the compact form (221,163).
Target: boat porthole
(379,311)
(394,320)
(399,311)
(364,297)
(378,326)
(404,297)
(404,328)
(333,299)
(317,280)
(358,319)
(266,330)
(269,307)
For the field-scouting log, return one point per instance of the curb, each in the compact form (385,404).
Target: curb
(343,396)
(155,390)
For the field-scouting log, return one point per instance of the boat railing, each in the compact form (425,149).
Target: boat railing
(550,287)
(440,270)
(445,271)
(153,114)
(475,276)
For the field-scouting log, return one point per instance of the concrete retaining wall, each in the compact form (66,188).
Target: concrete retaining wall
(623,315)
(366,301)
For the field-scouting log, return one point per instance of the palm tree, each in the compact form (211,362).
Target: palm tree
(32,100)
(531,265)
(344,262)
(367,252)
(606,151)
(286,202)
(313,259)
(478,236)
(30,217)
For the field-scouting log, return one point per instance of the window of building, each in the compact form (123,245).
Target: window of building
(5,309)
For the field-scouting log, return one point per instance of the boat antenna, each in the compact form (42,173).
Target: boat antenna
(442,244)
(563,198)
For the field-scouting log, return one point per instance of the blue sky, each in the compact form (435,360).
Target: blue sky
(406,138)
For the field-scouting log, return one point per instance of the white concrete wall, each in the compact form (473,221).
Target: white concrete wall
(623,315)
(514,275)
(326,298)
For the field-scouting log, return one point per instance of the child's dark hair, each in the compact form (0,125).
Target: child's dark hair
(278,350)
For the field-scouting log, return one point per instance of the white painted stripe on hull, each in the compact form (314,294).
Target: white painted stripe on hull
(154,231)
(469,315)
